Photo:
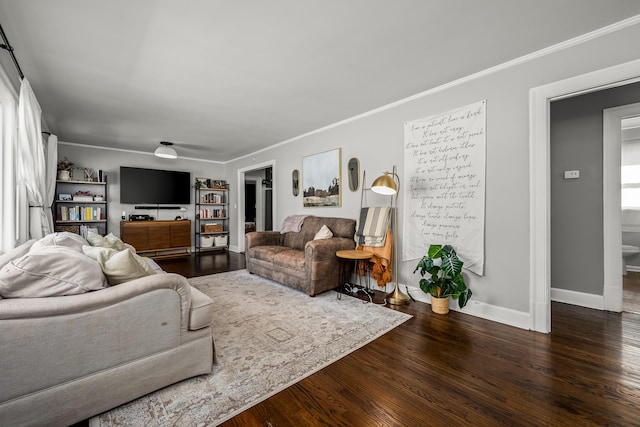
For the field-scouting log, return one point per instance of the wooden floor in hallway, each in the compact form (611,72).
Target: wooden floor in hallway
(631,292)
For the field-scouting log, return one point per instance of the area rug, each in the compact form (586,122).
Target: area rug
(268,337)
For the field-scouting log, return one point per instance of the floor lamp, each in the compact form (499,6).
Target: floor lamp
(386,185)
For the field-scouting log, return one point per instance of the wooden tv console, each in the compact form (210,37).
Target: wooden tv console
(163,238)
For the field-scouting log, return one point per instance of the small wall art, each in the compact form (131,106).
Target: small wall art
(321,179)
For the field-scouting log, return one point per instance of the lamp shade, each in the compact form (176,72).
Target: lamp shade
(166,151)
(384,185)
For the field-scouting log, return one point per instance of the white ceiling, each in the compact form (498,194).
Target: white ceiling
(222,79)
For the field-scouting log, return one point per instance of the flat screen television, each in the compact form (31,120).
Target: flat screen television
(154,186)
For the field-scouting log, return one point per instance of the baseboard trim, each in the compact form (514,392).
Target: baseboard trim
(577,298)
(518,319)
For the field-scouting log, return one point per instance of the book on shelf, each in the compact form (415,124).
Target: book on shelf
(211,198)
(82,198)
(80,213)
(212,213)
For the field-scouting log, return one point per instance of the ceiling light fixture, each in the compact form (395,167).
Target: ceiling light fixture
(165,151)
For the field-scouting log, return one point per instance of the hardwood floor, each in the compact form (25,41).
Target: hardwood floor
(631,292)
(456,369)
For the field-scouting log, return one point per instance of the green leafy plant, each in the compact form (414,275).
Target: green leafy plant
(444,274)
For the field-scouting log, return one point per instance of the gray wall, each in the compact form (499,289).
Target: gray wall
(377,140)
(576,204)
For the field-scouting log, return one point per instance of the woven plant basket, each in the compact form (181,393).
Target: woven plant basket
(440,305)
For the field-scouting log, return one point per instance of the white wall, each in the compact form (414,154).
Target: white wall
(377,140)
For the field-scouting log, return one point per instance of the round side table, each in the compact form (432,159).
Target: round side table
(348,256)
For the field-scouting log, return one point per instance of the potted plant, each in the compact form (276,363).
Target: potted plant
(64,169)
(444,280)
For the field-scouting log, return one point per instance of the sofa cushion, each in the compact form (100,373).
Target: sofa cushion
(63,238)
(201,311)
(50,271)
(119,266)
(291,258)
(16,252)
(266,253)
(152,264)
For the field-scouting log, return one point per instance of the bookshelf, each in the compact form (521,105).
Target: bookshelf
(211,215)
(80,206)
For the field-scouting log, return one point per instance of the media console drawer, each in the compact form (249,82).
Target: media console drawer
(158,236)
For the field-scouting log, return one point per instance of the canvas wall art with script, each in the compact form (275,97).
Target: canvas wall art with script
(444,184)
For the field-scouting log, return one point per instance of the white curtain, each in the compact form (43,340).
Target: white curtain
(32,164)
(8,147)
(51,149)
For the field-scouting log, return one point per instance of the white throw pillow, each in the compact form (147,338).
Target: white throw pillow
(109,241)
(63,238)
(323,233)
(118,266)
(50,271)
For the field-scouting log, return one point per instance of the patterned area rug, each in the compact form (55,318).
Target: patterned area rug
(268,337)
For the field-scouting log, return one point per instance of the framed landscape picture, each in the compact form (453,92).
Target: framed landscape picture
(321,181)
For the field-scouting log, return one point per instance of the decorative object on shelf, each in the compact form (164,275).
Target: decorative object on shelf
(98,198)
(445,278)
(321,175)
(64,196)
(295,182)
(386,185)
(202,183)
(64,169)
(354,173)
(218,184)
(77,174)
(166,151)
(206,241)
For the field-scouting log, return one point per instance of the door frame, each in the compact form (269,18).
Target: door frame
(612,238)
(241,196)
(539,177)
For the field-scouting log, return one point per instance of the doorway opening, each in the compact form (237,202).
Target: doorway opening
(539,188)
(256,199)
(630,207)
(250,205)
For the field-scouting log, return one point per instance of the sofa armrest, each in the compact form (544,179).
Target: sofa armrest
(262,238)
(23,308)
(325,249)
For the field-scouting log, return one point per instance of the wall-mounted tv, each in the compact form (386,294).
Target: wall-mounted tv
(154,186)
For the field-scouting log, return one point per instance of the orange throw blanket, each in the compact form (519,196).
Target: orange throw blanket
(381,260)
